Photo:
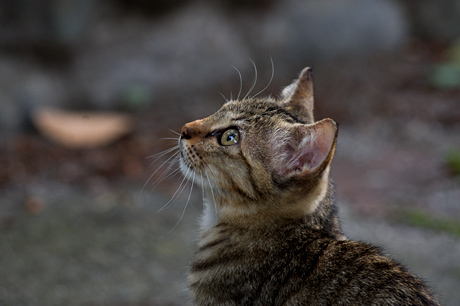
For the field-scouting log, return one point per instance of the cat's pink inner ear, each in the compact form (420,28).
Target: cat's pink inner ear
(308,149)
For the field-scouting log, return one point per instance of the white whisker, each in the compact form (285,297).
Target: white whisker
(175,155)
(223,96)
(178,134)
(212,192)
(169,138)
(241,82)
(159,155)
(167,173)
(186,203)
(170,174)
(174,158)
(254,82)
(202,185)
(269,82)
(180,188)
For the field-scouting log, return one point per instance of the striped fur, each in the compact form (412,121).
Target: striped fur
(293,264)
(270,234)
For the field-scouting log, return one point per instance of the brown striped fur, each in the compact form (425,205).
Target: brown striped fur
(270,233)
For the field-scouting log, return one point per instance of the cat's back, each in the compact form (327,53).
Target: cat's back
(295,265)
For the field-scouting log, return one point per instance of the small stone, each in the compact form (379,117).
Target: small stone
(34,205)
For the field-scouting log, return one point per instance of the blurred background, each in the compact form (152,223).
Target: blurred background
(91,90)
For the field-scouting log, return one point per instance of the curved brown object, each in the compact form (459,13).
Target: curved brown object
(82,129)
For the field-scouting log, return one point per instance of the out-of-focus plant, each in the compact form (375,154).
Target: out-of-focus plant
(452,161)
(424,219)
(136,98)
(447,74)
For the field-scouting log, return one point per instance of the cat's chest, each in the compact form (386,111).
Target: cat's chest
(246,264)
(221,244)
(228,258)
(209,218)
(224,250)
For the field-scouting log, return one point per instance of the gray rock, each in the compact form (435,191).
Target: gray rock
(23,87)
(430,255)
(435,19)
(191,50)
(56,22)
(302,32)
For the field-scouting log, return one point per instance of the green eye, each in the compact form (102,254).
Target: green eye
(230,137)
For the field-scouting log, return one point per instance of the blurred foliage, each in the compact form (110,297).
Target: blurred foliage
(452,160)
(447,74)
(419,218)
(136,98)
(454,52)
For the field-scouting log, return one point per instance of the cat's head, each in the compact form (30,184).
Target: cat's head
(262,156)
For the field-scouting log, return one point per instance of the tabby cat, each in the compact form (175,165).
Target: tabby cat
(270,233)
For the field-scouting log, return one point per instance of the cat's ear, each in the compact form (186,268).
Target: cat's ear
(307,149)
(298,97)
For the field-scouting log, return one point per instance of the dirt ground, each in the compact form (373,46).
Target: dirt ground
(78,227)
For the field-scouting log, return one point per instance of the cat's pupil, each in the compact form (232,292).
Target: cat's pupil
(230,137)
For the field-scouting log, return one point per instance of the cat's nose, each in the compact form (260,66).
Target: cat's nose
(192,129)
(185,132)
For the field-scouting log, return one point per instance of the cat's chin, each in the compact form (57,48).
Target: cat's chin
(186,170)
(192,174)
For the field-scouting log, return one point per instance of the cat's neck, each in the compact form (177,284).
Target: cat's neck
(317,210)
(210,212)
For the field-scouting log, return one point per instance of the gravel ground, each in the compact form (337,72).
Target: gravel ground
(113,249)
(431,255)
(116,250)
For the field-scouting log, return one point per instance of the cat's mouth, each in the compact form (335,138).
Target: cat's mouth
(190,157)
(192,165)
(190,171)
(184,160)
(185,165)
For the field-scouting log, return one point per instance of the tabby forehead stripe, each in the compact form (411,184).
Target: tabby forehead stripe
(285,115)
(281,111)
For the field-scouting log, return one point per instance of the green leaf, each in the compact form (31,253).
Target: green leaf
(446,76)
(453,160)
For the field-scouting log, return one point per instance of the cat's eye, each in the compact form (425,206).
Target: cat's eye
(230,137)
